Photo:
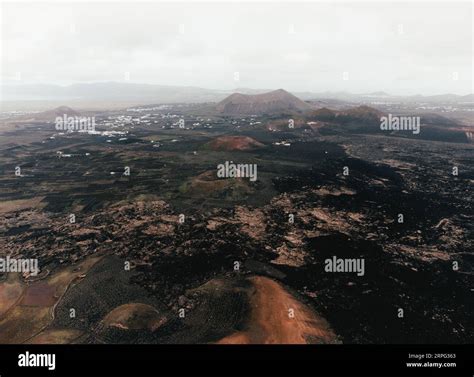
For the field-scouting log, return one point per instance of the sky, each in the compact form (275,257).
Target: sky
(358,46)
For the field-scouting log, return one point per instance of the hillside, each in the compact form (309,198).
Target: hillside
(233,143)
(275,102)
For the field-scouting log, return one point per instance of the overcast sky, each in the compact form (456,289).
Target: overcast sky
(400,48)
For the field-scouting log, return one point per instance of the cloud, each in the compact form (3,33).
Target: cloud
(397,47)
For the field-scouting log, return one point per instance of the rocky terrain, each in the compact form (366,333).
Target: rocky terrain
(173,254)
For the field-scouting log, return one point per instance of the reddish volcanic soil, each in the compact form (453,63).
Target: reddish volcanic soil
(270,321)
(234,143)
(40,294)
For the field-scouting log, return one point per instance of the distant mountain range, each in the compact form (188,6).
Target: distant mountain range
(147,93)
(111,91)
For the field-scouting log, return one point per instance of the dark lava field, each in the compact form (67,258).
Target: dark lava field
(171,253)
